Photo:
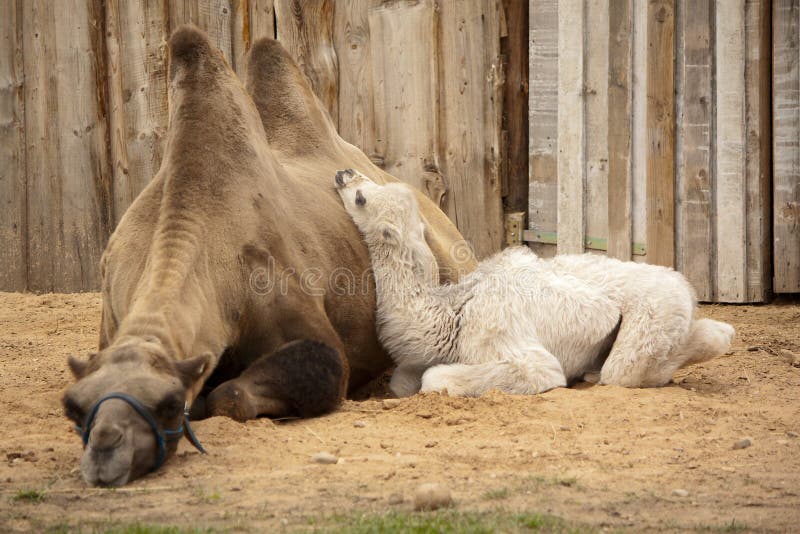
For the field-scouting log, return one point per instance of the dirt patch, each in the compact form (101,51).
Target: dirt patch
(602,456)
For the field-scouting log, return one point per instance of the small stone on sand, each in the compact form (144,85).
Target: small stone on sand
(680,493)
(324,458)
(432,496)
(388,404)
(395,498)
(360,424)
(742,444)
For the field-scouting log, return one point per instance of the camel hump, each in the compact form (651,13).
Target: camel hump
(190,48)
(294,119)
(267,55)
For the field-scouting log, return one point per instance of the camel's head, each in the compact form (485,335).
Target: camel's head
(386,214)
(121,436)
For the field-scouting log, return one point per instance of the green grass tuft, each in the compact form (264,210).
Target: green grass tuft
(497,494)
(450,521)
(29,495)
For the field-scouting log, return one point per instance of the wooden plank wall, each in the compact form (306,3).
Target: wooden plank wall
(656,146)
(418,85)
(786,144)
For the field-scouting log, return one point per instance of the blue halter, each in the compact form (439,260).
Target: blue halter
(162,436)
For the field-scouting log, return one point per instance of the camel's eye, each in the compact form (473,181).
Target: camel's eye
(360,200)
(170,406)
(73,410)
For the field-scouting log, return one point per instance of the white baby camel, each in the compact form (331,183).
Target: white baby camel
(519,323)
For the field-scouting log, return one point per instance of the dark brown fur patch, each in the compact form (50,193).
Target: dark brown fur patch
(186,46)
(305,374)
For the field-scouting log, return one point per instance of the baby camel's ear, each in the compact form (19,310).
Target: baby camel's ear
(193,368)
(389,233)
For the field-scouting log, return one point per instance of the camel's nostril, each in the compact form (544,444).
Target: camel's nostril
(340,178)
(105,438)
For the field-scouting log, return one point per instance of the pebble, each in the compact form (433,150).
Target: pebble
(742,444)
(680,493)
(324,458)
(360,424)
(388,404)
(792,434)
(788,356)
(395,498)
(432,496)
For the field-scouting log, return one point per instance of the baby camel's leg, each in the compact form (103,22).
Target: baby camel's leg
(642,355)
(536,372)
(406,380)
(707,339)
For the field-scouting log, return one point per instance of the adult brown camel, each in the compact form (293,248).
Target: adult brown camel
(238,259)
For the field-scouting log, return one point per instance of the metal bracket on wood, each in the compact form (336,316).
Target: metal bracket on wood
(591,243)
(515,224)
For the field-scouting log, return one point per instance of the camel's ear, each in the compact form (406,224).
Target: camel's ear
(193,368)
(78,367)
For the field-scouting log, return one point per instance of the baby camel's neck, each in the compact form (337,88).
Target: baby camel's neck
(416,323)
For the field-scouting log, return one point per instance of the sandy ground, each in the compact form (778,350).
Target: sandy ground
(603,457)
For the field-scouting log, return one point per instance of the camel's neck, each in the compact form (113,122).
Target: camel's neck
(172,303)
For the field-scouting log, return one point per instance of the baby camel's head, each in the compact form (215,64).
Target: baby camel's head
(385,214)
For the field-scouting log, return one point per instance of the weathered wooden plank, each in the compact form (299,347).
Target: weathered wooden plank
(571,135)
(305,28)
(786,145)
(596,110)
(694,211)
(69,205)
(137,82)
(514,47)
(730,152)
(660,133)
(471,111)
(351,37)
(215,17)
(758,146)
(620,183)
(13,236)
(261,19)
(543,120)
(639,128)
(252,20)
(402,44)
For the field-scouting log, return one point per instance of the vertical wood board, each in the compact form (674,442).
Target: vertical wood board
(619,128)
(13,236)
(305,28)
(571,135)
(514,47)
(731,217)
(543,121)
(757,149)
(786,145)
(660,133)
(596,90)
(471,92)
(69,197)
(403,68)
(693,174)
(136,33)
(351,38)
